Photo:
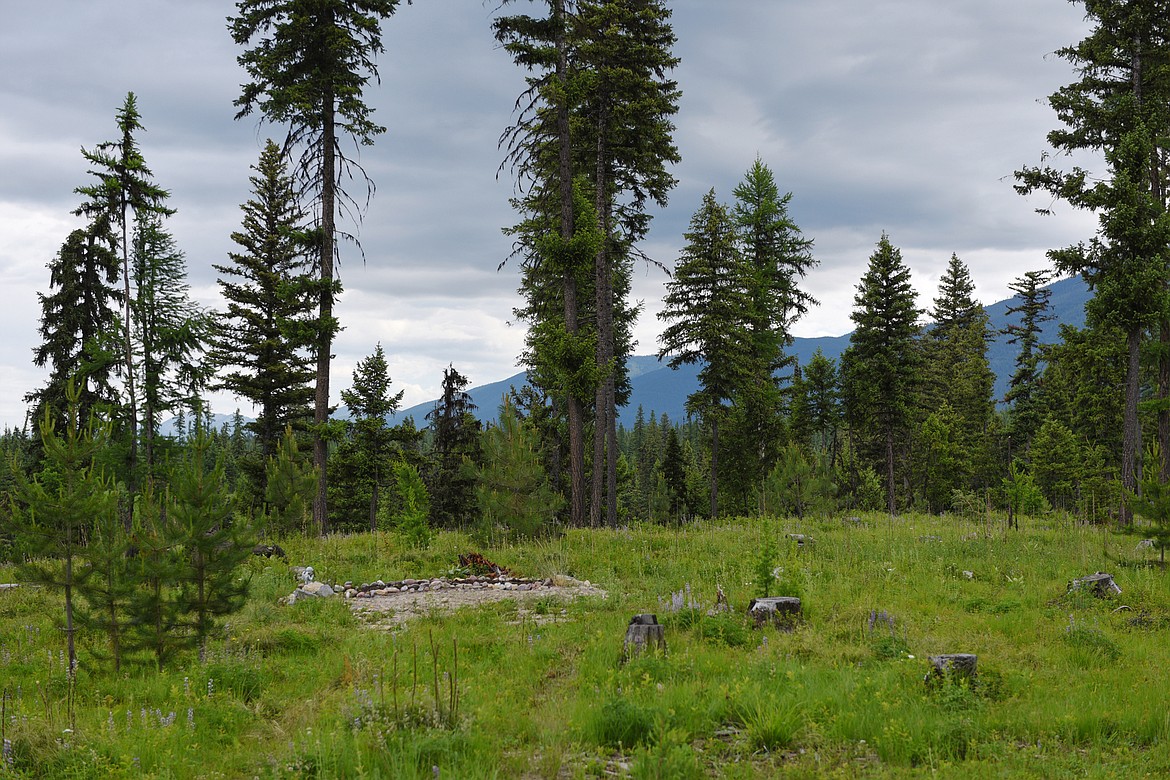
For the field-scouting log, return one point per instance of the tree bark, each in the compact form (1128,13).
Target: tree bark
(1131,430)
(604,453)
(325,332)
(574,405)
(714,468)
(890,502)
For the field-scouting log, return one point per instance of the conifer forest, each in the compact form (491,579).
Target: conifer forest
(911,502)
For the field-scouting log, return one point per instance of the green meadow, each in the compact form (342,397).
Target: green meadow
(1068,685)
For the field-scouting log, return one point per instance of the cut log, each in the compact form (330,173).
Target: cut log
(1099,584)
(644,633)
(780,611)
(951,667)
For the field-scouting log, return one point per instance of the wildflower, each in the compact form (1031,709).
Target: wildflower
(9,756)
(210,687)
(190,718)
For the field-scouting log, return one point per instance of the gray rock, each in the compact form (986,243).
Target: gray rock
(319,589)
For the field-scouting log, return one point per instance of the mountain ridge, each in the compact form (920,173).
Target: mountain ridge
(661,390)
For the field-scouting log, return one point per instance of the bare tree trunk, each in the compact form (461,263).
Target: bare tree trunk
(604,450)
(890,502)
(128,348)
(1164,398)
(575,409)
(714,468)
(325,332)
(1131,430)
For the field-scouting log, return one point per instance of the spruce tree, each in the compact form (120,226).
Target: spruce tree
(456,432)
(704,311)
(263,341)
(776,258)
(290,483)
(623,52)
(823,396)
(956,376)
(309,62)
(370,402)
(1033,295)
(77,316)
(558,236)
(880,368)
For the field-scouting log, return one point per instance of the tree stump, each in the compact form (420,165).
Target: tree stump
(642,634)
(952,667)
(780,611)
(1099,584)
(800,539)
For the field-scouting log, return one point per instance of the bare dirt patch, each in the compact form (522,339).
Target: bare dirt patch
(397,608)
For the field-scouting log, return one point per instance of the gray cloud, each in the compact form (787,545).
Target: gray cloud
(908,117)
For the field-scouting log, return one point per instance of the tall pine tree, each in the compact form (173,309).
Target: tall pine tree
(263,342)
(123,194)
(704,311)
(1119,107)
(1033,296)
(880,368)
(309,62)
(77,316)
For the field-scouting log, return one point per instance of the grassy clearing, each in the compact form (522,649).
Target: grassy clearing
(1068,685)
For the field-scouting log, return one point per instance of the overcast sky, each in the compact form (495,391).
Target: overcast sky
(907,116)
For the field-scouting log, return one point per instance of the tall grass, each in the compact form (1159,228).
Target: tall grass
(1068,685)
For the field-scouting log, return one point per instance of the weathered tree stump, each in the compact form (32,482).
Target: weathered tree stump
(1099,584)
(951,667)
(643,633)
(800,539)
(268,551)
(780,611)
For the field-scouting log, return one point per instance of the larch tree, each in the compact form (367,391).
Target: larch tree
(704,314)
(880,368)
(558,251)
(171,330)
(1119,108)
(309,62)
(622,51)
(123,194)
(262,345)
